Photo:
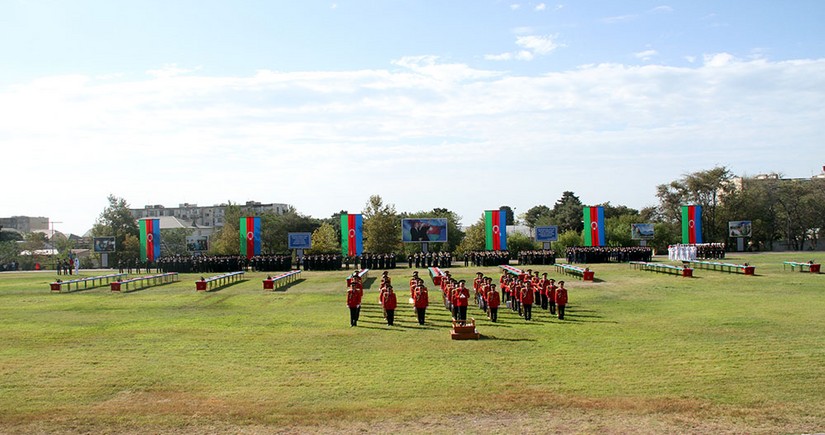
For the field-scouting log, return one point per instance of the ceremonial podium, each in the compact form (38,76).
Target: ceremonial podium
(465,332)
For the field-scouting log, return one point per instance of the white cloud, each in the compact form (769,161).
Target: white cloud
(538,44)
(515,6)
(531,46)
(294,136)
(645,55)
(663,9)
(620,18)
(540,7)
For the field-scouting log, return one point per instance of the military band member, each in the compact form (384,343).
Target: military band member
(422,299)
(462,300)
(561,299)
(354,296)
(527,296)
(390,303)
(493,301)
(551,296)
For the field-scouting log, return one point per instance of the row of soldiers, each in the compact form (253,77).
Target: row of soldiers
(710,251)
(605,254)
(369,260)
(321,261)
(486,258)
(523,291)
(430,259)
(541,257)
(195,264)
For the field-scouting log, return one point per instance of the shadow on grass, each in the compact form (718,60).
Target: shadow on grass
(493,337)
(228,284)
(287,286)
(146,287)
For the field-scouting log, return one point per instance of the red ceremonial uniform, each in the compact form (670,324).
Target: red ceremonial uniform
(493,299)
(462,297)
(527,295)
(422,299)
(561,296)
(390,301)
(353,298)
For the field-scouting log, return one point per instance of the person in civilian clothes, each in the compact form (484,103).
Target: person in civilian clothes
(493,301)
(390,303)
(422,299)
(561,299)
(354,295)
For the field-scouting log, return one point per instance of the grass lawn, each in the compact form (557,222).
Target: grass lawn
(639,352)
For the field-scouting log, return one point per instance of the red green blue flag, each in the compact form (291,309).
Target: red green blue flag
(250,236)
(495,226)
(149,239)
(691,224)
(352,237)
(593,233)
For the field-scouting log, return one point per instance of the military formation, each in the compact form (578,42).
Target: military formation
(519,293)
(430,259)
(607,254)
(486,258)
(542,257)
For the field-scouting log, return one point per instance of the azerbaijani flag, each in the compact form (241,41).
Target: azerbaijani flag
(593,233)
(691,224)
(149,239)
(352,238)
(250,236)
(495,225)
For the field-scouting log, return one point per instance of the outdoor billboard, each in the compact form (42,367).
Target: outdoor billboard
(421,230)
(549,233)
(740,228)
(299,241)
(641,231)
(104,244)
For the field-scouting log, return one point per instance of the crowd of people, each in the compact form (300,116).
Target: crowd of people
(606,254)
(520,293)
(321,262)
(541,257)
(369,260)
(710,251)
(486,258)
(430,259)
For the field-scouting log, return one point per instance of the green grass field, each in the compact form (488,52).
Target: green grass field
(640,352)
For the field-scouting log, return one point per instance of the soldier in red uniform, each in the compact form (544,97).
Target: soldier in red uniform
(462,299)
(390,303)
(527,295)
(493,301)
(354,296)
(543,284)
(551,296)
(561,299)
(422,299)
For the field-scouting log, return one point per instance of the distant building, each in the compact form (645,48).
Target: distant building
(738,182)
(25,224)
(203,217)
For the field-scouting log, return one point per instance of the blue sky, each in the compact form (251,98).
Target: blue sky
(467,105)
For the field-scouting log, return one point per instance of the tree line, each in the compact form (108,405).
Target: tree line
(785,212)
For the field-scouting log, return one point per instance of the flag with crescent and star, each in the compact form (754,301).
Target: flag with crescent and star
(352,238)
(495,224)
(149,239)
(250,236)
(691,224)
(593,233)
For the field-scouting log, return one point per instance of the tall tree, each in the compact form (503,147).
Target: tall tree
(325,240)
(511,218)
(532,216)
(116,221)
(382,226)
(567,213)
(226,240)
(474,237)
(705,188)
